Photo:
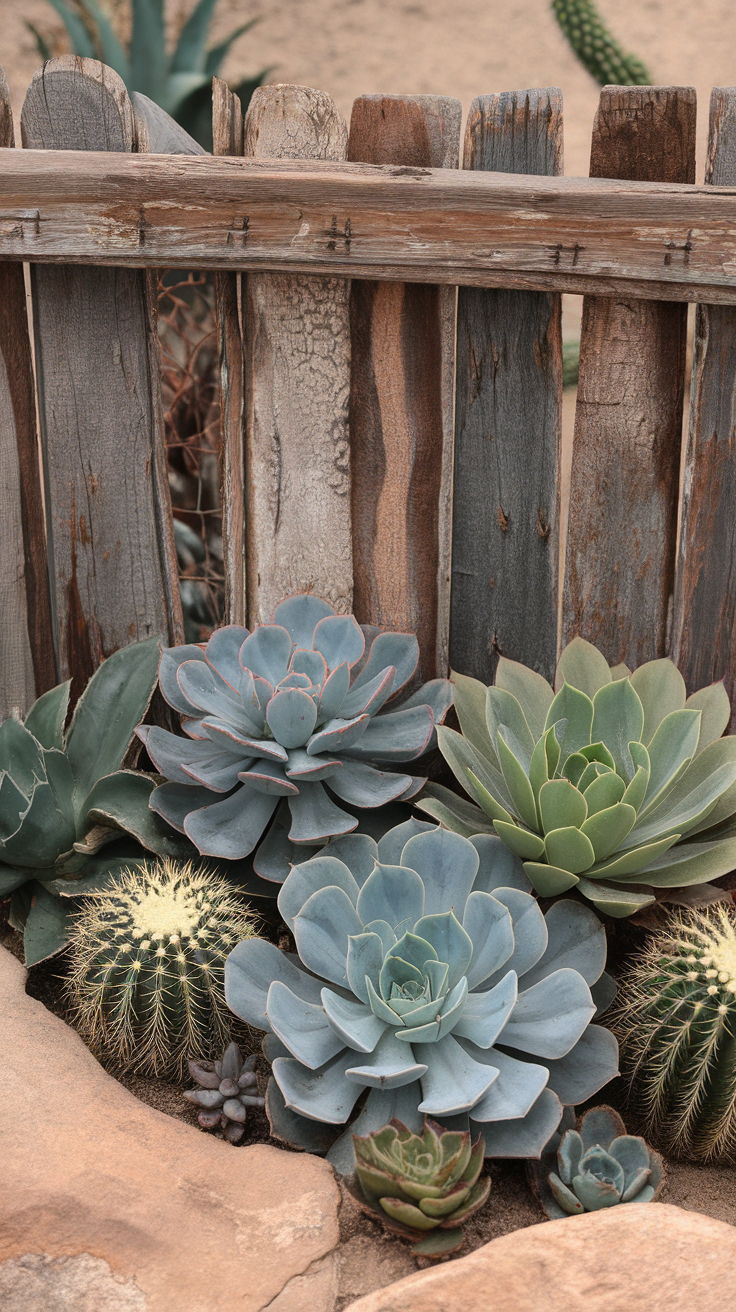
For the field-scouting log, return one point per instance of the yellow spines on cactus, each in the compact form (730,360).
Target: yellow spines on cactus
(676,1021)
(147,967)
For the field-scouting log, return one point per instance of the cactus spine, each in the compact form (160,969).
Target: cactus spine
(676,1021)
(147,967)
(596,48)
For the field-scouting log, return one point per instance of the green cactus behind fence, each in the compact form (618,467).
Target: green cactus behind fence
(676,1021)
(147,961)
(596,48)
(180,82)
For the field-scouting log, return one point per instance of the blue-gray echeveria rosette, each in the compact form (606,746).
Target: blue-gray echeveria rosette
(593,1163)
(426,977)
(284,724)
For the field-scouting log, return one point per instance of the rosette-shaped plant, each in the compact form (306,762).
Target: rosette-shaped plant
(420,1186)
(615,784)
(428,977)
(291,719)
(70,816)
(227,1088)
(594,1166)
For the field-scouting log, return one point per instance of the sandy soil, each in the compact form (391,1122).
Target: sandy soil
(348,47)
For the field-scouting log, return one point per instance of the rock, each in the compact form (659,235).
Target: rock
(639,1257)
(171,1217)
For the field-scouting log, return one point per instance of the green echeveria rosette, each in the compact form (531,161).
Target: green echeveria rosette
(614,784)
(427,981)
(285,723)
(70,816)
(422,1187)
(595,1165)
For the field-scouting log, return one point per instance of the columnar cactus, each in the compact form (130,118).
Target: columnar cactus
(676,1019)
(614,784)
(285,723)
(147,963)
(596,48)
(428,976)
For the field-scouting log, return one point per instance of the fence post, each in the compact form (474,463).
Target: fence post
(297,354)
(401,401)
(626,455)
(704,627)
(27,665)
(111,543)
(508,424)
(227,139)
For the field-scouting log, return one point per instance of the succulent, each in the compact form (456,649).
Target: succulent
(596,48)
(227,1088)
(416,956)
(181,83)
(64,797)
(615,784)
(677,1021)
(420,1186)
(146,971)
(290,719)
(595,1164)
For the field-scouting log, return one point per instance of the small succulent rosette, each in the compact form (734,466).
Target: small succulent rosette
(422,1187)
(227,1088)
(286,727)
(595,1165)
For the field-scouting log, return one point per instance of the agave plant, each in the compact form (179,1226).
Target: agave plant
(285,720)
(615,784)
(64,797)
(180,83)
(428,977)
(422,1187)
(595,1165)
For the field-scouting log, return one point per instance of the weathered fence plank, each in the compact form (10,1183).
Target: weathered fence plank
(585,235)
(27,665)
(401,404)
(508,414)
(704,625)
(109,525)
(227,137)
(297,355)
(628,426)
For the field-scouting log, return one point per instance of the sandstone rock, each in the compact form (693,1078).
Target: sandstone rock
(636,1258)
(175,1218)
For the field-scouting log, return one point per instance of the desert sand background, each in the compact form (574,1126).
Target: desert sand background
(348,47)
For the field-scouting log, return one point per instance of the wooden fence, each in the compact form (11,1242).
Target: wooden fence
(388,442)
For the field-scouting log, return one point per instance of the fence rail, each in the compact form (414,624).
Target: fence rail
(386,442)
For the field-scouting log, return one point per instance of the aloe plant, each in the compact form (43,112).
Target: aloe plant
(70,816)
(614,784)
(428,977)
(179,82)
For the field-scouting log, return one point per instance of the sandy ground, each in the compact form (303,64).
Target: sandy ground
(348,47)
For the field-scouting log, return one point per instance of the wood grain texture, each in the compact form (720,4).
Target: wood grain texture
(297,359)
(508,425)
(227,136)
(704,623)
(401,402)
(27,665)
(626,455)
(586,235)
(109,523)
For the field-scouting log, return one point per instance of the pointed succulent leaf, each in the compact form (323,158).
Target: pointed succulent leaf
(561,805)
(548,880)
(620,671)
(605,791)
(390,1066)
(682,812)
(364,962)
(454,813)
(223,651)
(516,779)
(339,638)
(572,712)
(661,690)
(325,1094)
(361,785)
(353,1023)
(631,861)
(670,751)
(300,616)
(608,829)
(301,766)
(492,808)
(307,877)
(487,922)
(250,970)
(691,863)
(538,765)
(513,1093)
(586,1068)
(291,716)
(583,667)
(230,828)
(485,1014)
(398,649)
(531,691)
(173,802)
(502,708)
(122,801)
(618,719)
(322,928)
(47,716)
(575,767)
(448,867)
(550,1017)
(302,1026)
(371,696)
(469,697)
(394,894)
(569,1154)
(463,759)
(454,1082)
(315,817)
(525,1137)
(612,901)
(715,710)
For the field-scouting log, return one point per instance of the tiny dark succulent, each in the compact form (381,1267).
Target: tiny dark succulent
(595,1165)
(226,1090)
(420,1186)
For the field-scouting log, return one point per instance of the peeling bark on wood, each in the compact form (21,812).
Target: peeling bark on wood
(704,627)
(227,136)
(27,665)
(585,235)
(114,577)
(401,402)
(508,414)
(626,454)
(297,353)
